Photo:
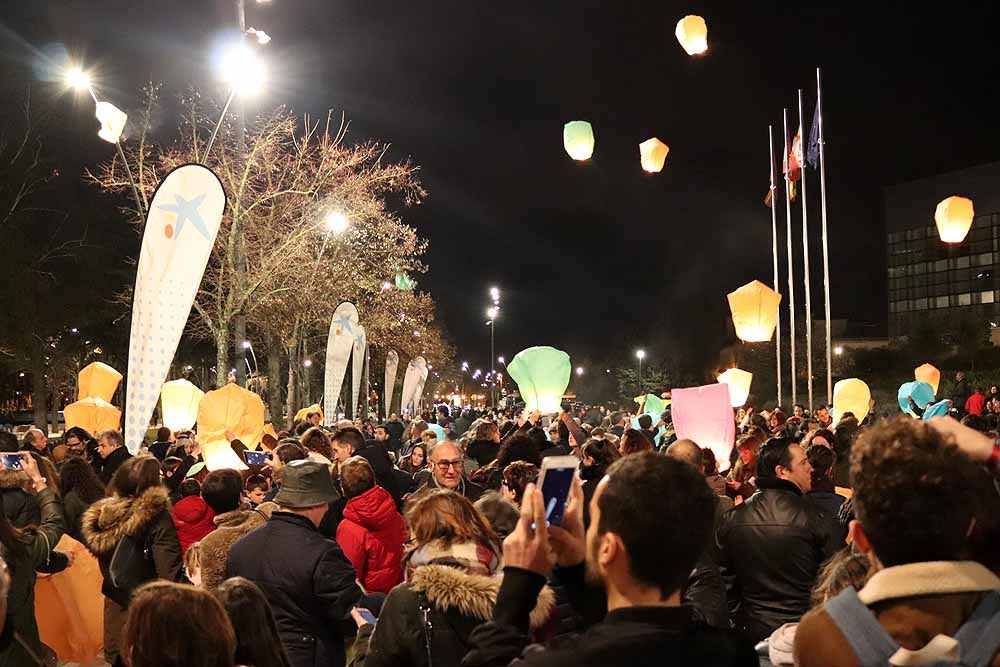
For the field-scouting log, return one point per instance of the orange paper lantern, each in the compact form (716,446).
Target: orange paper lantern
(692,33)
(755,311)
(652,155)
(231,409)
(301,414)
(179,401)
(929,374)
(98,380)
(92,414)
(954,218)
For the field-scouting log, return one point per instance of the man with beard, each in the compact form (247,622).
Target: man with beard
(637,554)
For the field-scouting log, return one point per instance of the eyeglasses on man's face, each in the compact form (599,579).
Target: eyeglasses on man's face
(444,465)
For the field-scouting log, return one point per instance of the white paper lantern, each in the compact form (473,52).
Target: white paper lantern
(739,385)
(692,33)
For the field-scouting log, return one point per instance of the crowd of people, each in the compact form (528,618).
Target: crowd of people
(424,542)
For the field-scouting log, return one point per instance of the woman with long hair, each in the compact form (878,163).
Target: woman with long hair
(415,461)
(80,488)
(25,551)
(257,640)
(177,625)
(133,536)
(633,442)
(317,444)
(596,456)
(741,476)
(515,448)
(451,566)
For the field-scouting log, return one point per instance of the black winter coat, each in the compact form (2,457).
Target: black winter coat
(484,451)
(633,636)
(375,453)
(457,603)
(770,550)
(308,581)
(107,467)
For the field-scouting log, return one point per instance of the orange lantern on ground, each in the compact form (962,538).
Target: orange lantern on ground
(739,385)
(652,155)
(929,374)
(98,380)
(179,400)
(692,33)
(92,414)
(231,410)
(954,218)
(755,311)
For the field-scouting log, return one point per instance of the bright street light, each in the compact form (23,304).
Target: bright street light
(492,311)
(337,221)
(839,350)
(495,293)
(307,363)
(243,70)
(501,360)
(246,345)
(465,365)
(77,78)
(640,354)
(579,370)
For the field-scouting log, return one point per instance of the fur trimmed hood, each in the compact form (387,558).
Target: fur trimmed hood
(108,520)
(13,479)
(472,595)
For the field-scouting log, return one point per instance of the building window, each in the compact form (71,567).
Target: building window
(987,296)
(984,259)
(920,304)
(962,262)
(941,302)
(964,299)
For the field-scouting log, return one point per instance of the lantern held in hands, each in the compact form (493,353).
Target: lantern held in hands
(954,218)
(755,311)
(179,401)
(919,392)
(705,415)
(929,374)
(93,414)
(233,410)
(851,395)
(542,375)
(652,154)
(692,33)
(98,380)
(578,139)
(739,385)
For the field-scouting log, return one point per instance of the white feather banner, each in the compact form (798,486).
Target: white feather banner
(181,226)
(391,364)
(414,373)
(357,368)
(343,331)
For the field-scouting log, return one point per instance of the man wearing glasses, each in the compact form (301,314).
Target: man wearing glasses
(447,460)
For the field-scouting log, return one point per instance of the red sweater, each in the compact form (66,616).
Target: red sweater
(372,535)
(193,521)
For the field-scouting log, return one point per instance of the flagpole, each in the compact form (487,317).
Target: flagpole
(791,266)
(774,254)
(826,249)
(805,266)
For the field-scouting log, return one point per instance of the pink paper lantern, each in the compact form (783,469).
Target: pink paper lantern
(704,415)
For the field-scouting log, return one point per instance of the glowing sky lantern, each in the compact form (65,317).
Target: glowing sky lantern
(929,374)
(578,139)
(739,385)
(851,395)
(755,311)
(404,283)
(692,33)
(652,154)
(94,414)
(954,218)
(112,121)
(542,375)
(98,380)
(705,415)
(179,401)
(230,409)
(301,414)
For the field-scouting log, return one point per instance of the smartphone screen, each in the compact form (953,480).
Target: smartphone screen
(556,480)
(367,615)
(12,461)
(255,458)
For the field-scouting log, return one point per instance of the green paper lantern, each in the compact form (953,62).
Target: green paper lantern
(578,139)
(404,283)
(542,375)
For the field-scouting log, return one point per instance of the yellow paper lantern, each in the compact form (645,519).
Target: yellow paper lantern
(739,385)
(929,374)
(179,401)
(301,414)
(98,380)
(755,311)
(233,409)
(954,218)
(851,395)
(92,414)
(578,139)
(652,154)
(692,33)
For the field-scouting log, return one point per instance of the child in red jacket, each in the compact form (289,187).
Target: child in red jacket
(192,516)
(372,533)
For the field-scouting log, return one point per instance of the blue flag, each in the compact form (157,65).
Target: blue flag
(812,156)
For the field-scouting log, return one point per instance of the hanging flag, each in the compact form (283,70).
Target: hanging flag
(812,157)
(357,368)
(769,197)
(181,225)
(792,164)
(391,364)
(343,332)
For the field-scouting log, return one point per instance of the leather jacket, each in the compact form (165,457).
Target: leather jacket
(771,548)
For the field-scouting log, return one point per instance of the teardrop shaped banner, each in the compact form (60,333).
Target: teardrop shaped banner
(414,375)
(343,331)
(357,368)
(391,364)
(181,226)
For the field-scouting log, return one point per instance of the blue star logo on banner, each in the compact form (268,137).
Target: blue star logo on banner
(345,324)
(187,210)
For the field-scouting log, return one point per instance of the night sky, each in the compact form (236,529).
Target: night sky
(597,258)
